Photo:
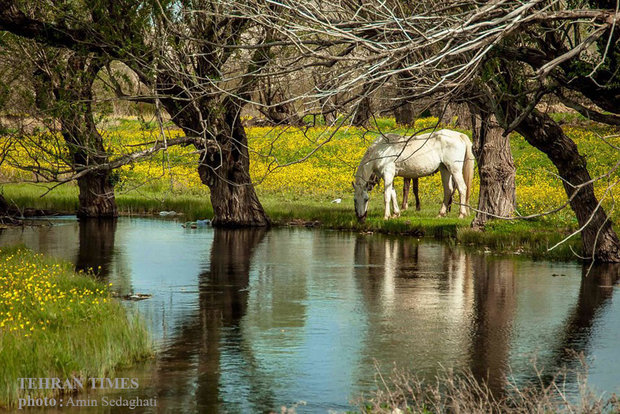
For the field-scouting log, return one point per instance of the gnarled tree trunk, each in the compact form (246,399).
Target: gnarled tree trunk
(74,96)
(96,198)
(225,168)
(496,170)
(600,242)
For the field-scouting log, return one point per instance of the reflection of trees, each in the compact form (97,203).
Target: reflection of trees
(482,293)
(494,310)
(96,245)
(595,292)
(459,302)
(223,302)
(193,360)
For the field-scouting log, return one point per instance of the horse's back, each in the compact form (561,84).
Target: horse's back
(418,155)
(454,146)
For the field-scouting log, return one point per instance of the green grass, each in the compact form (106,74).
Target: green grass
(55,323)
(531,238)
(302,192)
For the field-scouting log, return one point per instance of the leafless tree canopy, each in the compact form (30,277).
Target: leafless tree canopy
(203,62)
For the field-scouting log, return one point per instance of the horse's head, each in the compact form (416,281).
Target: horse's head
(362,196)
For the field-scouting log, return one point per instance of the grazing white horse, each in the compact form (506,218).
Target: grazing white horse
(391,155)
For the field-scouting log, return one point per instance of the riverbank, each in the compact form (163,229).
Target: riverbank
(302,193)
(530,238)
(55,323)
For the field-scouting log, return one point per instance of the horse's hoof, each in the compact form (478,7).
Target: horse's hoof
(462,215)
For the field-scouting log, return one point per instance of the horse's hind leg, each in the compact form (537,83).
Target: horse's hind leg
(447,190)
(457,177)
(416,194)
(451,195)
(407,183)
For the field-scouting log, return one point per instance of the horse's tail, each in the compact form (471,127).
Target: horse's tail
(468,167)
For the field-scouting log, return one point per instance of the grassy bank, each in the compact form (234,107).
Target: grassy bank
(58,324)
(532,237)
(302,191)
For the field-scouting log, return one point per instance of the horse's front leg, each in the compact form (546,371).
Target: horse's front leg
(387,197)
(390,193)
(395,202)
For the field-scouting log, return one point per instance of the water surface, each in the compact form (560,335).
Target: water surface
(252,320)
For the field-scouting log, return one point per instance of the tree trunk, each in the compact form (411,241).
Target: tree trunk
(282,114)
(4,206)
(362,112)
(405,114)
(495,168)
(96,199)
(600,242)
(328,110)
(225,168)
(456,114)
(74,97)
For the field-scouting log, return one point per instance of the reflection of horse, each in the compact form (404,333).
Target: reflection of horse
(391,155)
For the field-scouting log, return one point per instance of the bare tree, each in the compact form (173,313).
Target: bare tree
(200,59)
(61,142)
(507,54)
(69,78)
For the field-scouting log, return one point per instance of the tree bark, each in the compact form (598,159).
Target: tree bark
(328,110)
(363,112)
(496,170)
(405,114)
(96,198)
(600,242)
(225,168)
(74,96)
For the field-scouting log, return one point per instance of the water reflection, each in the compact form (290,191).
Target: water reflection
(190,365)
(595,292)
(595,295)
(96,245)
(248,320)
(493,313)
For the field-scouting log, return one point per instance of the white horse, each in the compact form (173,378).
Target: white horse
(391,155)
